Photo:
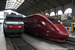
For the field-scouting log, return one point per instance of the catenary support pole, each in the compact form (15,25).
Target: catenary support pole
(48,7)
(40,6)
(72,10)
(57,9)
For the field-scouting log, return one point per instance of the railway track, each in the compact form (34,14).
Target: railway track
(20,44)
(67,45)
(15,47)
(70,42)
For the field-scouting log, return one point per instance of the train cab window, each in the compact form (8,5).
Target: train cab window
(12,19)
(39,20)
(52,20)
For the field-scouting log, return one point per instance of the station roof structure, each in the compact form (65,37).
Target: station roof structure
(29,7)
(2,4)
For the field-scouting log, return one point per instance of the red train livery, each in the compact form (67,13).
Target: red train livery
(13,25)
(46,26)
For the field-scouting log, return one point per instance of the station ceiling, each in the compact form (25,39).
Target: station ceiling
(34,6)
(2,4)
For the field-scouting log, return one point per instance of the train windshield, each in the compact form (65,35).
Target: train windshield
(12,19)
(52,20)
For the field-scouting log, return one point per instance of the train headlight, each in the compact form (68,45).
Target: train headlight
(57,29)
(19,26)
(9,26)
(5,26)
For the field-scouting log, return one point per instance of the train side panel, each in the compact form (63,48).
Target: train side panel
(42,25)
(37,25)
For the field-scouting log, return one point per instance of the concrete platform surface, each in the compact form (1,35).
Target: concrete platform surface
(71,36)
(40,44)
(2,38)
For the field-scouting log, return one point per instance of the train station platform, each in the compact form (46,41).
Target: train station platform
(2,38)
(71,36)
(34,42)
(42,44)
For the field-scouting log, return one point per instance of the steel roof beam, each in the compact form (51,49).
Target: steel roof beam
(39,3)
(32,10)
(28,5)
(2,0)
(50,4)
(34,6)
(59,3)
(22,5)
(25,4)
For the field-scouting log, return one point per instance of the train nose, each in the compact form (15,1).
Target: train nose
(63,35)
(66,35)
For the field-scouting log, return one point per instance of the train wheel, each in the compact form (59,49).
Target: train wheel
(41,35)
(36,34)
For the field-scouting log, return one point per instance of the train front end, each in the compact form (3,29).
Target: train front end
(62,33)
(13,26)
(58,32)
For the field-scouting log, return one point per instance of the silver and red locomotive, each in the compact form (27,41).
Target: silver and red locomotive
(13,25)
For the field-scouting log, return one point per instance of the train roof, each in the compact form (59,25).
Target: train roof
(43,15)
(39,15)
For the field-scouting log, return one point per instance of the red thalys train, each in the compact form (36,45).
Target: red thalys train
(46,26)
(13,25)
